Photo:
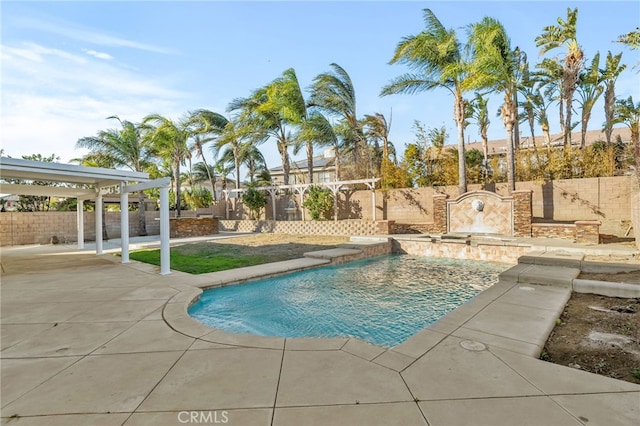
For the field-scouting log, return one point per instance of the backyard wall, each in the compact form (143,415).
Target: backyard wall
(607,200)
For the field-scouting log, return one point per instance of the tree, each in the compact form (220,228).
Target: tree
(227,147)
(270,111)
(319,202)
(549,79)
(610,74)
(36,203)
(377,128)
(438,60)
(201,172)
(631,39)
(589,90)
(255,202)
(315,131)
(169,140)
(564,34)
(208,125)
(256,165)
(124,147)
(497,66)
(628,113)
(333,94)
(480,114)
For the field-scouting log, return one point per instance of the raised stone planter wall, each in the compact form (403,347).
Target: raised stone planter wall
(192,227)
(342,227)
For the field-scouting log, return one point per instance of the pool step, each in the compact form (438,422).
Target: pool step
(540,274)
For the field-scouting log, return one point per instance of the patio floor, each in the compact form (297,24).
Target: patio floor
(87,340)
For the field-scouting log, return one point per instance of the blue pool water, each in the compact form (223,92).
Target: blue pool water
(383,300)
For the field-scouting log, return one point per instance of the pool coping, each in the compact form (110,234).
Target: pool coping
(450,373)
(550,275)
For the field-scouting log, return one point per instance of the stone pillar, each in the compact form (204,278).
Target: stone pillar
(588,231)
(440,214)
(385,227)
(522,212)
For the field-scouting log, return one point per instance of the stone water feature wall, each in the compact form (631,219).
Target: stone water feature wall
(480,212)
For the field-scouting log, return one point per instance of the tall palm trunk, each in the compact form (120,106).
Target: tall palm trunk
(142,220)
(547,135)
(310,160)
(609,102)
(175,167)
(211,180)
(509,118)
(458,111)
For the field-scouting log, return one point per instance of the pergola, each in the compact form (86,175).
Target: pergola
(301,188)
(88,183)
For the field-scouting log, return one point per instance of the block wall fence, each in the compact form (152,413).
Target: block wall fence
(607,200)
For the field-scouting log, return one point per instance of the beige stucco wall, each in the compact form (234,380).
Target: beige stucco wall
(608,200)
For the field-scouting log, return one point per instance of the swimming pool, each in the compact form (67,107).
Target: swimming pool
(383,300)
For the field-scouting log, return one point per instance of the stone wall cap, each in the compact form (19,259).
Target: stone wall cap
(522,191)
(588,222)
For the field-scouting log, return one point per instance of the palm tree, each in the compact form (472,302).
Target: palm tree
(628,113)
(207,125)
(480,113)
(554,36)
(315,131)
(589,90)
(125,147)
(228,146)
(202,172)
(254,160)
(438,61)
(169,139)
(548,77)
(497,66)
(333,93)
(611,73)
(270,111)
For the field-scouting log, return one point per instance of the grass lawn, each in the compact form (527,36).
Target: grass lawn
(220,255)
(199,263)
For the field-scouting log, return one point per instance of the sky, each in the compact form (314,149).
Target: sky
(67,66)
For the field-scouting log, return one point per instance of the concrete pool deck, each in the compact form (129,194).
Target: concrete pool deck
(87,340)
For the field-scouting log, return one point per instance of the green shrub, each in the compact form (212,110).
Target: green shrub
(255,201)
(319,202)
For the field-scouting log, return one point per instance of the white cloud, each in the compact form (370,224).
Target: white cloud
(75,32)
(99,55)
(51,98)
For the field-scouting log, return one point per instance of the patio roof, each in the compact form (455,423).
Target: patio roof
(15,168)
(30,171)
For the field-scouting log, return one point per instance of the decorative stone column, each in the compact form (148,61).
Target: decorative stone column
(588,231)
(385,227)
(522,212)
(440,213)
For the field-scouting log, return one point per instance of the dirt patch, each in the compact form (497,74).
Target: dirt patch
(271,247)
(631,277)
(598,334)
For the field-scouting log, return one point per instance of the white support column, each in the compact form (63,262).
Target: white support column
(124,223)
(80,223)
(273,191)
(98,213)
(165,258)
(373,203)
(226,203)
(302,201)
